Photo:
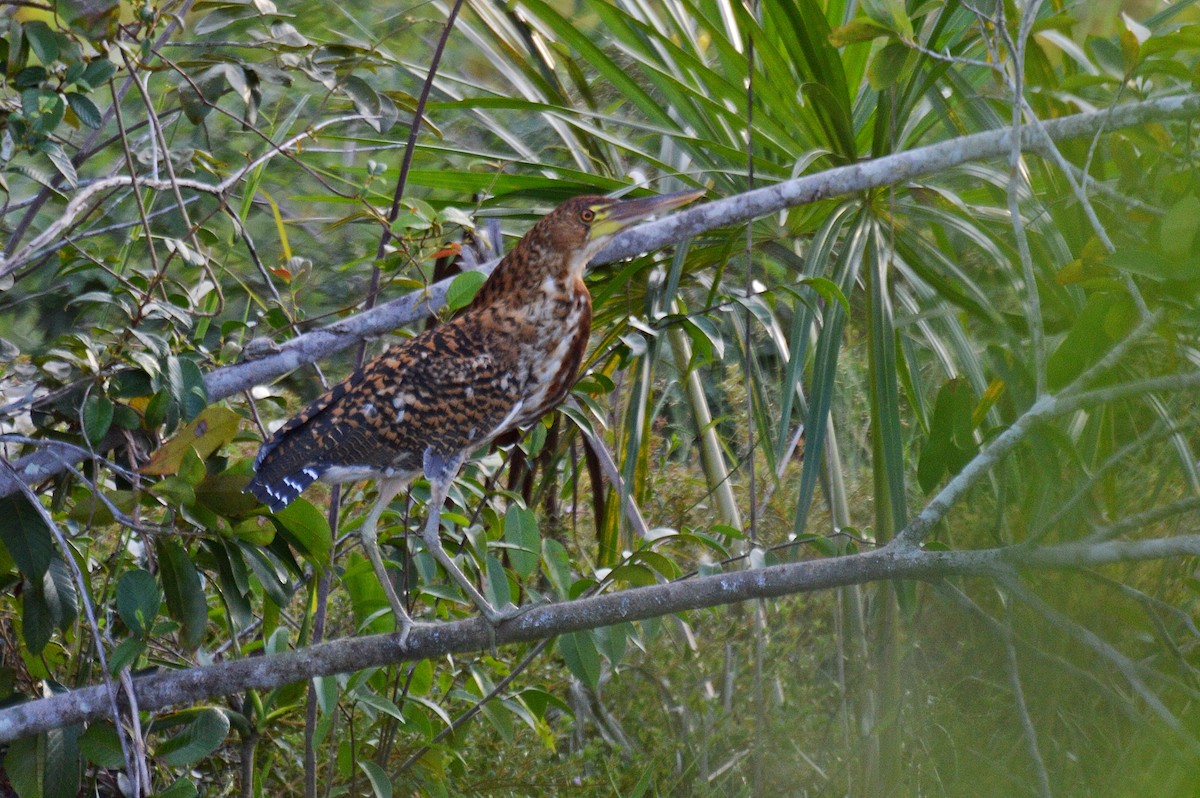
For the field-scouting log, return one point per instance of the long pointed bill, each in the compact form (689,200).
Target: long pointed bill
(613,218)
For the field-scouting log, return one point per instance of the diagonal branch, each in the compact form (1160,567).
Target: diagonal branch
(889,170)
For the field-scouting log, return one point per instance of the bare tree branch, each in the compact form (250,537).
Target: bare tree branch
(172,688)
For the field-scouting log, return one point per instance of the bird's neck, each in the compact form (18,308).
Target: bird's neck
(531,274)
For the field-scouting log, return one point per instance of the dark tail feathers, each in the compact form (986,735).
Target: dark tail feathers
(275,484)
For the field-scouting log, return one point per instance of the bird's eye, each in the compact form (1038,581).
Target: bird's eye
(587,215)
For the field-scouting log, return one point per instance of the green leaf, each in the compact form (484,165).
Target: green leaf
(185,598)
(496,582)
(365,99)
(463,289)
(26,767)
(25,535)
(49,602)
(521,533)
(46,766)
(611,641)
(381,783)
(1177,232)
(1105,317)
(126,654)
(138,600)
(176,492)
(199,738)
(85,109)
(42,41)
(98,72)
(97,418)
(950,443)
(185,382)
(57,156)
(1154,264)
(891,14)
(862,29)
(101,745)
(578,650)
(183,787)
(556,564)
(308,528)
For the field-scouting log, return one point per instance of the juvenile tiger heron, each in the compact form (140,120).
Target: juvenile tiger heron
(425,405)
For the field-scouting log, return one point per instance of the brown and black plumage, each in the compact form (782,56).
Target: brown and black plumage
(424,405)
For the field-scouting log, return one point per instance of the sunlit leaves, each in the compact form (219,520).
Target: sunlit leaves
(213,428)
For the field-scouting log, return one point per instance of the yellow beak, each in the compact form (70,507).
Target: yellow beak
(613,217)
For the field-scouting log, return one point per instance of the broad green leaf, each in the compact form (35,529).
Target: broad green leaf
(138,600)
(85,110)
(496,579)
(42,41)
(463,289)
(1177,231)
(1154,264)
(556,564)
(97,418)
(611,641)
(366,595)
(25,535)
(381,783)
(198,738)
(45,765)
(49,602)
(183,787)
(521,533)
(365,100)
(367,698)
(862,29)
(950,443)
(126,654)
(176,492)
(101,745)
(578,650)
(186,602)
(271,572)
(1104,319)
(185,382)
(308,528)
(98,72)
(421,678)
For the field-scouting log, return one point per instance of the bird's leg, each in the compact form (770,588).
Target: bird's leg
(440,471)
(388,488)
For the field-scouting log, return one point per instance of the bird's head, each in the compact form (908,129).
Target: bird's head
(584,225)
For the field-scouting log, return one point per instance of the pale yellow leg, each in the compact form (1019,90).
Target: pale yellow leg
(370,538)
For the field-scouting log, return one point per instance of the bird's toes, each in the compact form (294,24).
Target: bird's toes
(507,613)
(404,627)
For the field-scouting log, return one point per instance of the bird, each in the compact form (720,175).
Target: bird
(425,405)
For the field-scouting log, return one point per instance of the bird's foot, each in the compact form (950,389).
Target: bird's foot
(497,616)
(404,627)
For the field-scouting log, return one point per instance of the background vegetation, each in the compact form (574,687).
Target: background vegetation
(189,184)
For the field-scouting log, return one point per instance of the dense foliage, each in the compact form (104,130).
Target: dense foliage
(186,185)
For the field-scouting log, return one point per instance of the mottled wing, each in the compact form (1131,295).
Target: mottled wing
(445,389)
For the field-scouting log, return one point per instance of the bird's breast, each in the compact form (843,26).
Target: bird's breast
(553,343)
